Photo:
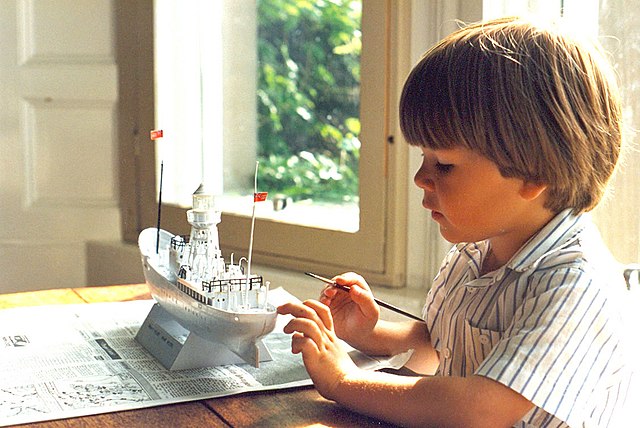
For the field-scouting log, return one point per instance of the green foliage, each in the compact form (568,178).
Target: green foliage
(308,97)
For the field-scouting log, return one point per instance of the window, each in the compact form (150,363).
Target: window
(360,234)
(275,81)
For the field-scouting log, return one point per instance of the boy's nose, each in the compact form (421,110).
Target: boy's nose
(422,180)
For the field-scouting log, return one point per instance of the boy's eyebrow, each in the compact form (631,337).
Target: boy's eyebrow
(455,152)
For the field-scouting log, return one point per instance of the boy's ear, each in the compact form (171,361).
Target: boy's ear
(530,190)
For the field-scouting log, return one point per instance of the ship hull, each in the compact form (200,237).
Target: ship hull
(237,331)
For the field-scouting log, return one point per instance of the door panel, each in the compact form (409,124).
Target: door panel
(57,101)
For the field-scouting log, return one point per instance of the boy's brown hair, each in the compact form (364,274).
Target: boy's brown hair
(542,106)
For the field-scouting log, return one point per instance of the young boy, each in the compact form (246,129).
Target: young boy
(520,131)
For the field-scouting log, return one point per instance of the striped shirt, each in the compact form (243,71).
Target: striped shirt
(547,324)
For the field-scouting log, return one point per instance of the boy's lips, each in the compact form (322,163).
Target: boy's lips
(435,214)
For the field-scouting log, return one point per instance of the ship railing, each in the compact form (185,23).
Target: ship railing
(194,294)
(179,241)
(232,284)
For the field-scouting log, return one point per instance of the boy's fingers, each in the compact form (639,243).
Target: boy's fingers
(299,343)
(360,292)
(362,296)
(322,311)
(311,310)
(325,300)
(295,309)
(303,327)
(329,292)
(351,279)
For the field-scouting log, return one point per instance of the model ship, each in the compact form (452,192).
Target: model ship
(223,304)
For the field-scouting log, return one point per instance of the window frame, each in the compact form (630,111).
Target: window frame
(377,250)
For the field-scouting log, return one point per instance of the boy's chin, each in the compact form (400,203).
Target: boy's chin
(453,236)
(447,235)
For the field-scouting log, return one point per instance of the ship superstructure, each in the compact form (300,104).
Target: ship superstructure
(190,280)
(199,267)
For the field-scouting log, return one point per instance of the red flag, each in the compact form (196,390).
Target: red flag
(260,196)
(155,134)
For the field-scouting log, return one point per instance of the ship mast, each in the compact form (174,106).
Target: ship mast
(253,223)
(157,134)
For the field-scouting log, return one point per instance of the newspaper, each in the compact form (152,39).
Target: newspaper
(65,361)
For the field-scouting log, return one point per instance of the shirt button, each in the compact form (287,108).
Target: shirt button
(484,339)
(446,352)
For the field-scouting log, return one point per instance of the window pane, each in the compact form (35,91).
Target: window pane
(283,88)
(617,216)
(308,98)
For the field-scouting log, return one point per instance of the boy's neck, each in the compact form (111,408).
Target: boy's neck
(503,247)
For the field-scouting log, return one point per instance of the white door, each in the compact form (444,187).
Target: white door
(58,94)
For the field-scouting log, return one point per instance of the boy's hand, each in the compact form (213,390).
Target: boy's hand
(324,358)
(355,313)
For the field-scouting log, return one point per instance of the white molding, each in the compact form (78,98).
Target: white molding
(27,27)
(33,197)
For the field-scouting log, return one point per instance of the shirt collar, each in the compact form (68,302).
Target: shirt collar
(561,231)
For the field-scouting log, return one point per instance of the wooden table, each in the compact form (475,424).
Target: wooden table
(296,407)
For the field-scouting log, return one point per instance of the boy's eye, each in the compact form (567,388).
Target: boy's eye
(443,167)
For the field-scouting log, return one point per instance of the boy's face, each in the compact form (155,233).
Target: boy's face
(470,199)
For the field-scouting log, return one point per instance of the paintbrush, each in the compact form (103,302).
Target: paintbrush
(378,301)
